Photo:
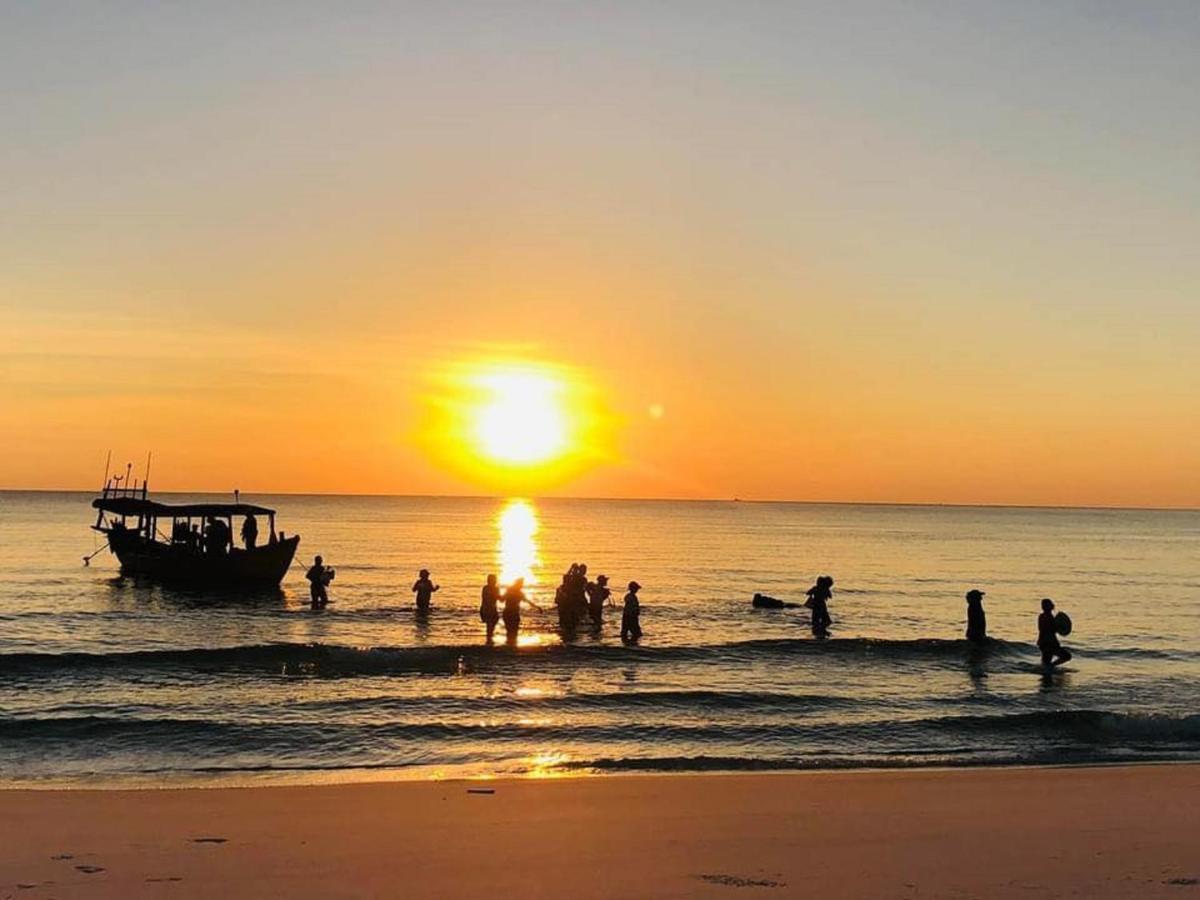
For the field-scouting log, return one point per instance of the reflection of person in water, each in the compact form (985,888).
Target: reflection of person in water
(976,618)
(489,612)
(250,532)
(514,596)
(1053,653)
(424,589)
(819,596)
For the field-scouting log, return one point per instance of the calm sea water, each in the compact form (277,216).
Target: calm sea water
(105,681)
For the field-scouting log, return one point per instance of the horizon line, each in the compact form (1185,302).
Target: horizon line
(927,504)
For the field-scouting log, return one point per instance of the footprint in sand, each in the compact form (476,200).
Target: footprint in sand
(89,870)
(63,856)
(209,840)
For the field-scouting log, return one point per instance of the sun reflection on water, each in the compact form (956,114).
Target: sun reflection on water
(517,549)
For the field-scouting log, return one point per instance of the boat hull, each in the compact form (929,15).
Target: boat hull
(180,565)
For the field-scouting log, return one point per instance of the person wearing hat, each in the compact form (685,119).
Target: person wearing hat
(631,626)
(598,593)
(424,589)
(976,618)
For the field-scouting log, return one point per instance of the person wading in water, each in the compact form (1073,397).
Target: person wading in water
(489,612)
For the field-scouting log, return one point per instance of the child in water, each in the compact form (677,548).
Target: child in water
(819,596)
(424,589)
(1054,654)
(631,626)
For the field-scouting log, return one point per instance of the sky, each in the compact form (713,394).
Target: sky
(892,252)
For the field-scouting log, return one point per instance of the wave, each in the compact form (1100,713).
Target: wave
(340,660)
(935,735)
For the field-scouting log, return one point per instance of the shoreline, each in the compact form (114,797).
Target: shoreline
(1108,831)
(350,776)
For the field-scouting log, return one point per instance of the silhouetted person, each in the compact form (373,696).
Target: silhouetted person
(195,540)
(250,532)
(1053,653)
(514,596)
(318,580)
(424,589)
(819,596)
(489,612)
(631,617)
(976,618)
(598,593)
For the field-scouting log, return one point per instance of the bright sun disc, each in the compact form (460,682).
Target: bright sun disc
(521,419)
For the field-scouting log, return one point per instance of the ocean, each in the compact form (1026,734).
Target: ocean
(105,681)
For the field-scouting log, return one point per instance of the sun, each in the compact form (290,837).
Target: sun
(521,419)
(515,424)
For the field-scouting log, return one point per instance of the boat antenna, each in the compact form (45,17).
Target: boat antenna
(107,463)
(146,475)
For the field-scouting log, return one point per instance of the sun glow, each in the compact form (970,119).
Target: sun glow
(522,419)
(517,551)
(515,425)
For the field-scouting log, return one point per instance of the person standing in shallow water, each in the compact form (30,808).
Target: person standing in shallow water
(424,589)
(318,579)
(514,596)
(598,593)
(1054,654)
(976,618)
(489,612)
(631,618)
(819,596)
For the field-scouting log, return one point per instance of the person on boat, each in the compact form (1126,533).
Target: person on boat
(195,540)
(819,596)
(318,580)
(1054,654)
(631,617)
(976,618)
(250,532)
(514,596)
(424,589)
(598,593)
(217,537)
(489,612)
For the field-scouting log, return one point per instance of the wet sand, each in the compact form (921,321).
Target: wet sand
(1102,832)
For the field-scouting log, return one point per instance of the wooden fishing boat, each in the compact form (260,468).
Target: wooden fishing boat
(199,549)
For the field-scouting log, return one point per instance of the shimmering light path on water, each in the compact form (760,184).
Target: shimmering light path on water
(106,680)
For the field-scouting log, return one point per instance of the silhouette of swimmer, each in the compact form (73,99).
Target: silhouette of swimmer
(976,618)
(489,612)
(598,594)
(424,589)
(1054,654)
(819,596)
(250,532)
(514,596)
(318,580)
(631,624)
(762,601)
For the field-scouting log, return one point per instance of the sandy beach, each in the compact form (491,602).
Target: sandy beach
(1087,832)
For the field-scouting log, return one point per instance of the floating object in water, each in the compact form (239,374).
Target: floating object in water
(762,601)
(1062,623)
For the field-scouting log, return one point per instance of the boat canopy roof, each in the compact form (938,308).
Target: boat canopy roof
(135,506)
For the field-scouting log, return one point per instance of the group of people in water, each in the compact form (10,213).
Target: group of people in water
(577,599)
(1050,625)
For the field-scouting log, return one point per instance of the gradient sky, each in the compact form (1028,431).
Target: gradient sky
(923,252)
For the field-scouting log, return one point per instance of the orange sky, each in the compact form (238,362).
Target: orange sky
(888,256)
